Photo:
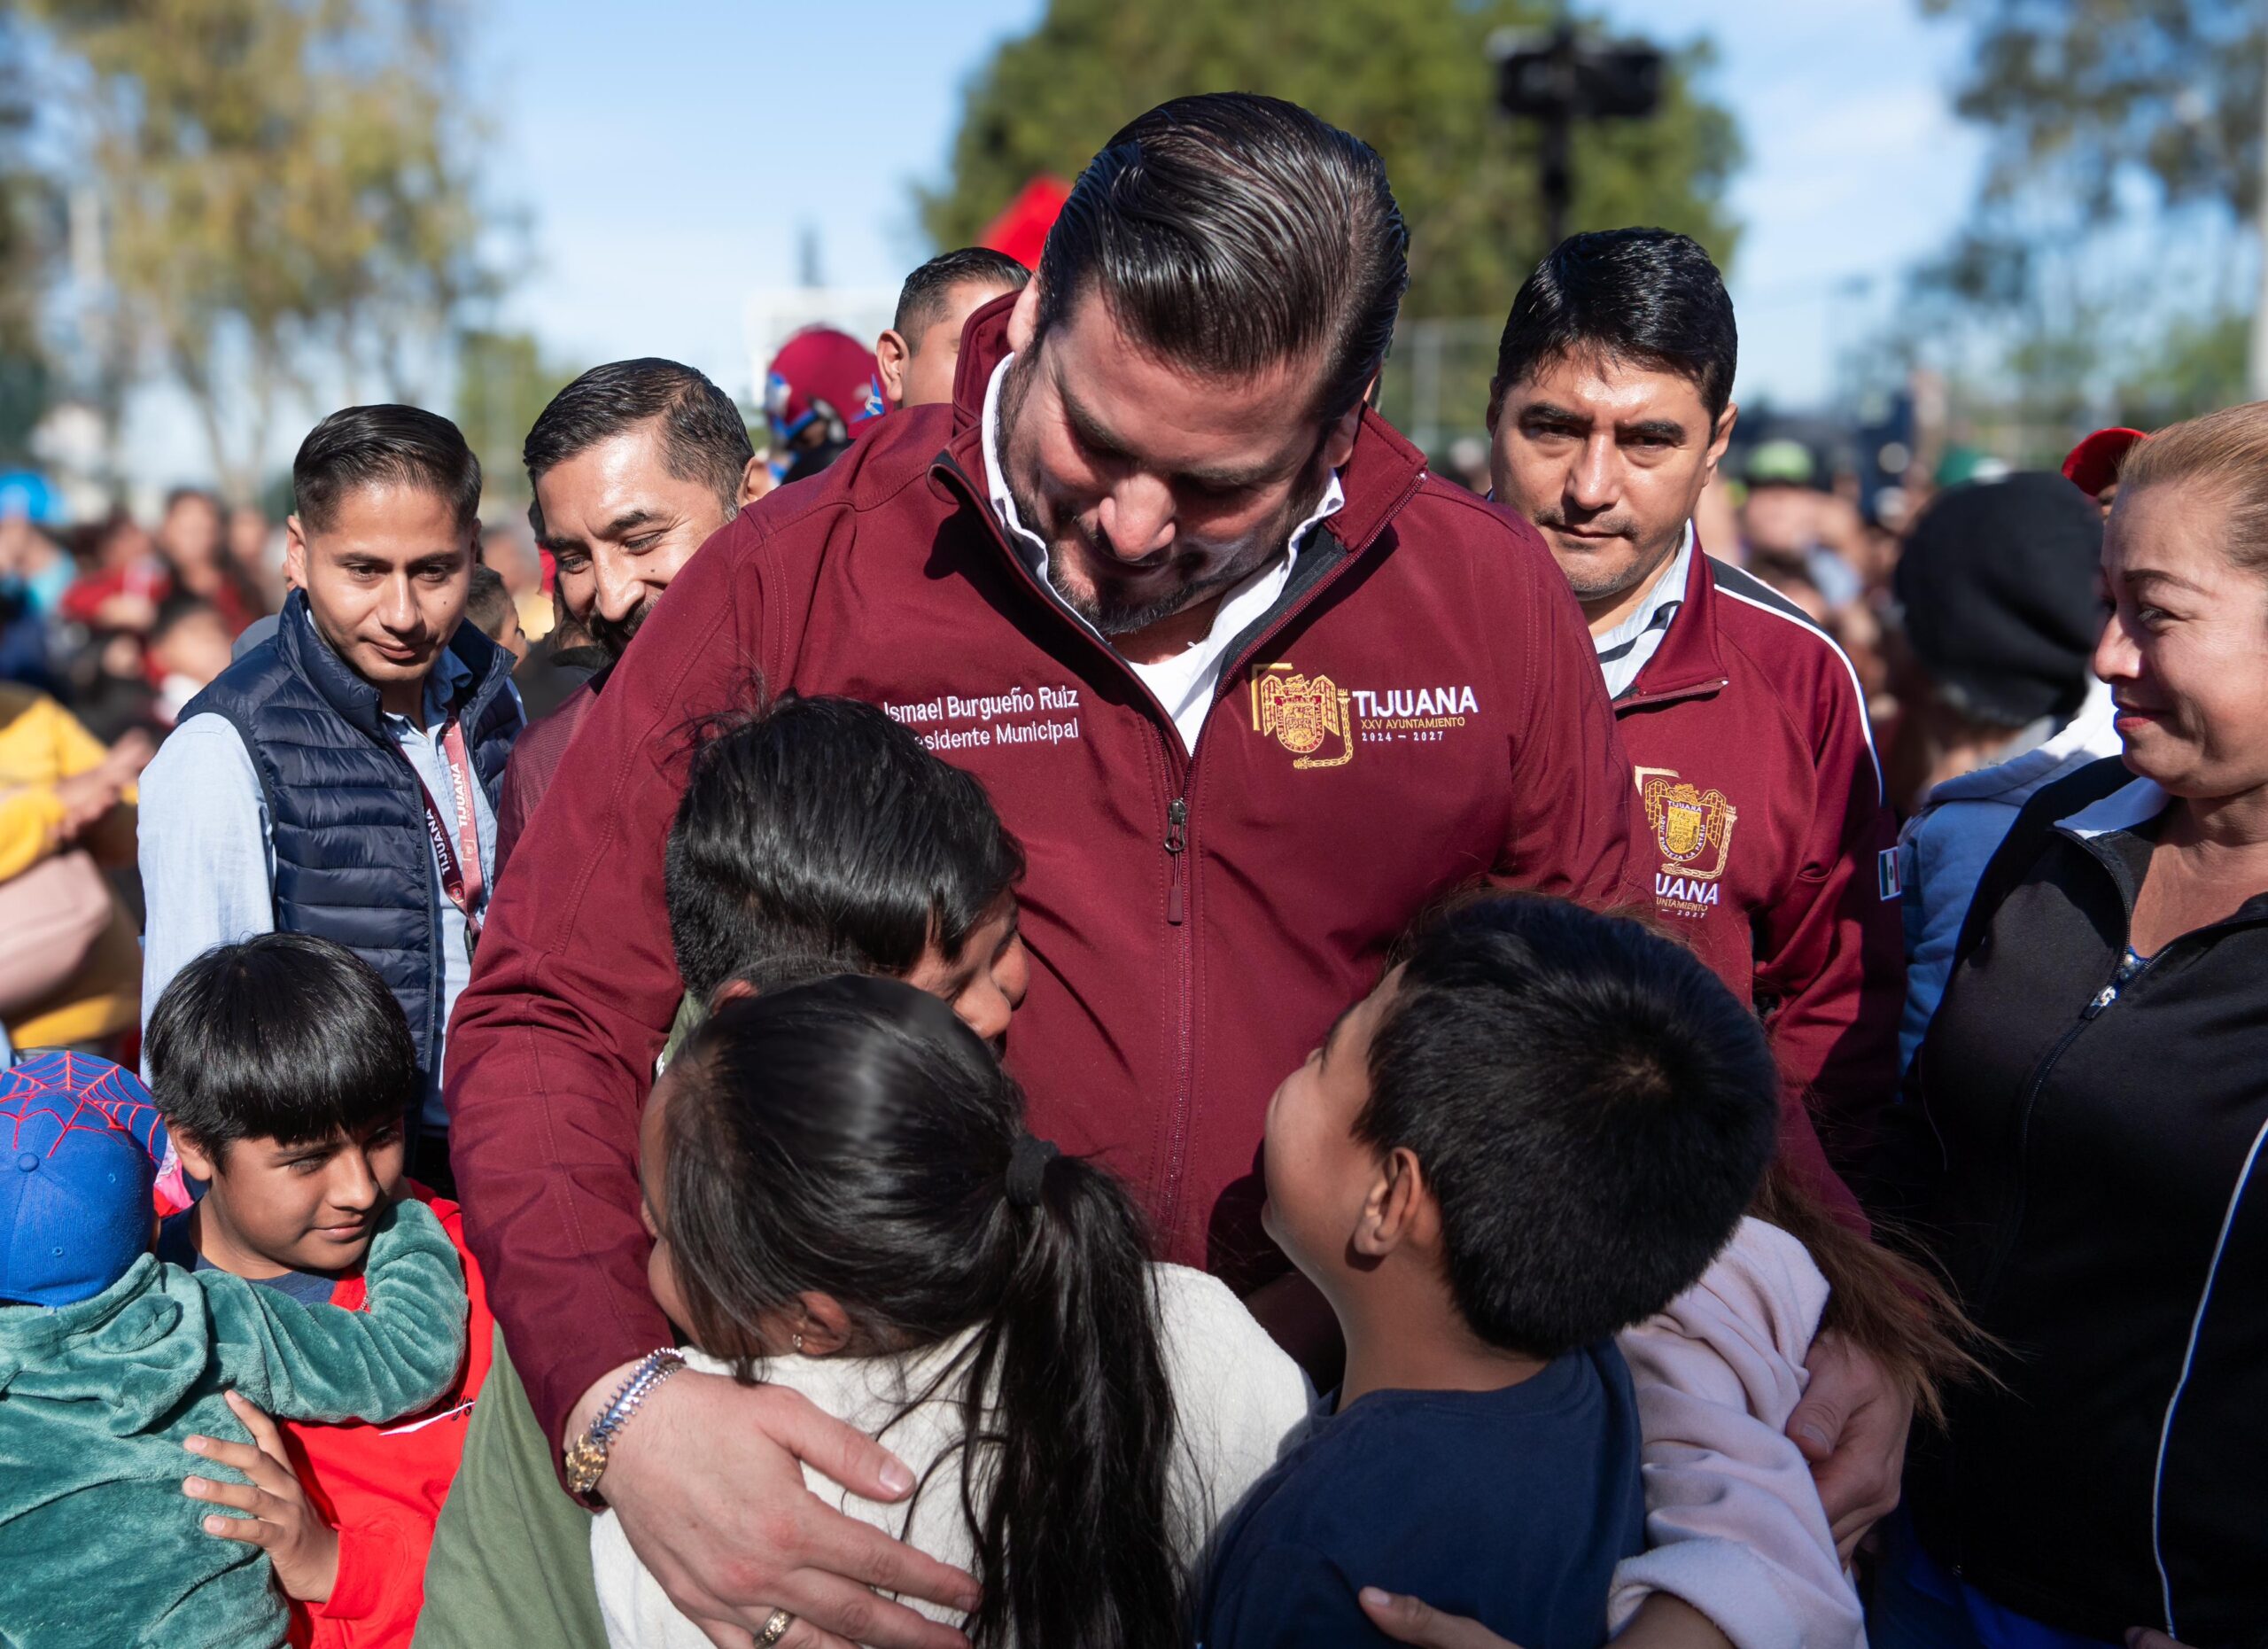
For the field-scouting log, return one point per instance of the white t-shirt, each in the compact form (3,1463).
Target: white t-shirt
(1238,1399)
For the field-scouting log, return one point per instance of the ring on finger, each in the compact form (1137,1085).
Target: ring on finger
(775,1628)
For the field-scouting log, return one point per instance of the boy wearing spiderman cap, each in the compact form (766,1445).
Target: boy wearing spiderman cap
(111,1361)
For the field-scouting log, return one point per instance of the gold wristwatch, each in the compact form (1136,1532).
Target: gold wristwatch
(585,1457)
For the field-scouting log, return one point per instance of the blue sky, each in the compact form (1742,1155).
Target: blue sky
(669,157)
(672,164)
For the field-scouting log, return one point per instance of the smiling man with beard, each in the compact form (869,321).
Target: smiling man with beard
(633,466)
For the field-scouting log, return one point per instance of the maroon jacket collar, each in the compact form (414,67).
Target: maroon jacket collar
(1377,480)
(1687,663)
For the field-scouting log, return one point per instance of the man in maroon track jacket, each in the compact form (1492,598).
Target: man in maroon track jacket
(1760,825)
(1249,685)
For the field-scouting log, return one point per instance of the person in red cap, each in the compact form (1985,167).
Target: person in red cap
(821,390)
(2093,465)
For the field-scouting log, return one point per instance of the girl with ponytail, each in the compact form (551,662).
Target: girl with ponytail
(844,1200)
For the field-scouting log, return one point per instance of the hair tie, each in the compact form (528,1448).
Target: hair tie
(1028,1161)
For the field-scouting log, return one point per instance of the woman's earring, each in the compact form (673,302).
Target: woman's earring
(798,1343)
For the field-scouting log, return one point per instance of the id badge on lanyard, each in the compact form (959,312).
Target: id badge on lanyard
(458,860)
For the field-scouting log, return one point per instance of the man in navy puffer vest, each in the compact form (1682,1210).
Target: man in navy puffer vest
(341,778)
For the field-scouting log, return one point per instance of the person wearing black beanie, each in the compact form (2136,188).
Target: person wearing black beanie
(2000,605)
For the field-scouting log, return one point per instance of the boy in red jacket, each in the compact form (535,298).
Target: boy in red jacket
(284,1067)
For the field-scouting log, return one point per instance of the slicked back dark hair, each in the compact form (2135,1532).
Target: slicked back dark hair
(921,300)
(1646,296)
(702,437)
(1230,232)
(284,1036)
(383,445)
(1592,1107)
(822,828)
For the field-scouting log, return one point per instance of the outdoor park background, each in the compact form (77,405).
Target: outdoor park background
(1972,227)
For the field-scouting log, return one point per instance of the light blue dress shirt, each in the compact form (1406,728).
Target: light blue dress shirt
(208,862)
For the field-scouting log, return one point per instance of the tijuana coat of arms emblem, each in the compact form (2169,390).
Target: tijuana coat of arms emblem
(1304,715)
(1690,824)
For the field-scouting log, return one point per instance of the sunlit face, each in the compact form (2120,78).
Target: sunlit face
(1319,1175)
(1154,487)
(1608,459)
(619,525)
(386,579)
(986,985)
(2186,651)
(312,1207)
(922,375)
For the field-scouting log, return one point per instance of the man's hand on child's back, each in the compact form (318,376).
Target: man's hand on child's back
(303,1547)
(709,1489)
(1851,1427)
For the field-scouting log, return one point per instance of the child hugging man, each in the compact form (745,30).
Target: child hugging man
(819,837)
(1535,1132)
(284,1067)
(111,1362)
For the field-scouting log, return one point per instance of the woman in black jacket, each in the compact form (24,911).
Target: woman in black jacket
(2082,1138)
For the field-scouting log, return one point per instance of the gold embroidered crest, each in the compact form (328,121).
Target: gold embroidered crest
(1688,822)
(1304,715)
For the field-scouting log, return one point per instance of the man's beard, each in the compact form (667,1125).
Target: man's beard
(613,634)
(1110,617)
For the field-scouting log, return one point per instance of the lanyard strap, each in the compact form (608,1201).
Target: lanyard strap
(459,871)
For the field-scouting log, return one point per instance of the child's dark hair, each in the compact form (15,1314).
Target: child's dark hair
(487,601)
(822,827)
(1591,1104)
(851,1136)
(284,1036)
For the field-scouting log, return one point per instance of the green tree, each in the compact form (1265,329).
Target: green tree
(1414,78)
(503,382)
(25,247)
(288,194)
(2107,252)
(2088,92)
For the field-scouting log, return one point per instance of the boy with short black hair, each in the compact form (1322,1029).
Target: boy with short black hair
(1534,1133)
(284,1067)
(111,1363)
(823,828)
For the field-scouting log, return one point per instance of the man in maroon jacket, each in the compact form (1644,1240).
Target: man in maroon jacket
(1250,687)
(1760,823)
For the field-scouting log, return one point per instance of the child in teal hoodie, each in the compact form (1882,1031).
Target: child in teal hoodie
(109,1360)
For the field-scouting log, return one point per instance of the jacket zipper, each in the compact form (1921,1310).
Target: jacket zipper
(1177,843)
(1177,833)
(2129,969)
